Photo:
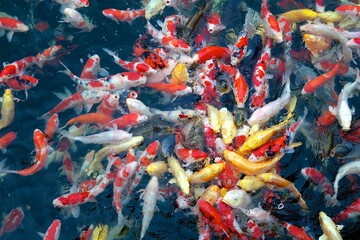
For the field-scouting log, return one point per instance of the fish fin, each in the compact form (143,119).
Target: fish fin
(2,32)
(3,150)
(103,72)
(41,234)
(78,108)
(75,211)
(88,107)
(9,35)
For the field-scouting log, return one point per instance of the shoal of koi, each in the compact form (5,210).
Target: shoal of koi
(221,160)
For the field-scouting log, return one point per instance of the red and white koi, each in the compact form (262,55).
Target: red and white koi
(17,68)
(172,43)
(272,26)
(122,179)
(140,67)
(21,83)
(12,221)
(213,23)
(254,230)
(189,156)
(229,218)
(47,55)
(342,111)
(297,232)
(215,218)
(319,179)
(240,87)
(346,169)
(319,6)
(118,81)
(150,194)
(78,198)
(351,211)
(123,15)
(126,121)
(349,10)
(77,100)
(263,114)
(240,48)
(73,4)
(53,232)
(42,150)
(170,23)
(109,104)
(76,20)
(92,68)
(12,24)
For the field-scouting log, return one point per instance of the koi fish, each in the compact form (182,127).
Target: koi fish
(351,211)
(76,20)
(123,15)
(214,24)
(149,195)
(12,221)
(12,24)
(53,232)
(7,109)
(140,67)
(77,100)
(272,27)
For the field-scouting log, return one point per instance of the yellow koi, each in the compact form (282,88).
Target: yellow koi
(250,183)
(277,180)
(249,168)
(228,128)
(211,194)
(331,17)
(157,168)
(7,109)
(331,231)
(208,173)
(300,15)
(100,232)
(181,178)
(179,74)
(214,118)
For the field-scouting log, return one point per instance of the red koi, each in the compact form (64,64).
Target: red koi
(312,85)
(126,121)
(12,221)
(7,139)
(352,210)
(53,232)
(13,25)
(296,232)
(51,126)
(171,88)
(254,230)
(88,118)
(212,52)
(216,221)
(229,218)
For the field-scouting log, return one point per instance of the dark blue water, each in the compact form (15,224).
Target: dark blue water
(35,193)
